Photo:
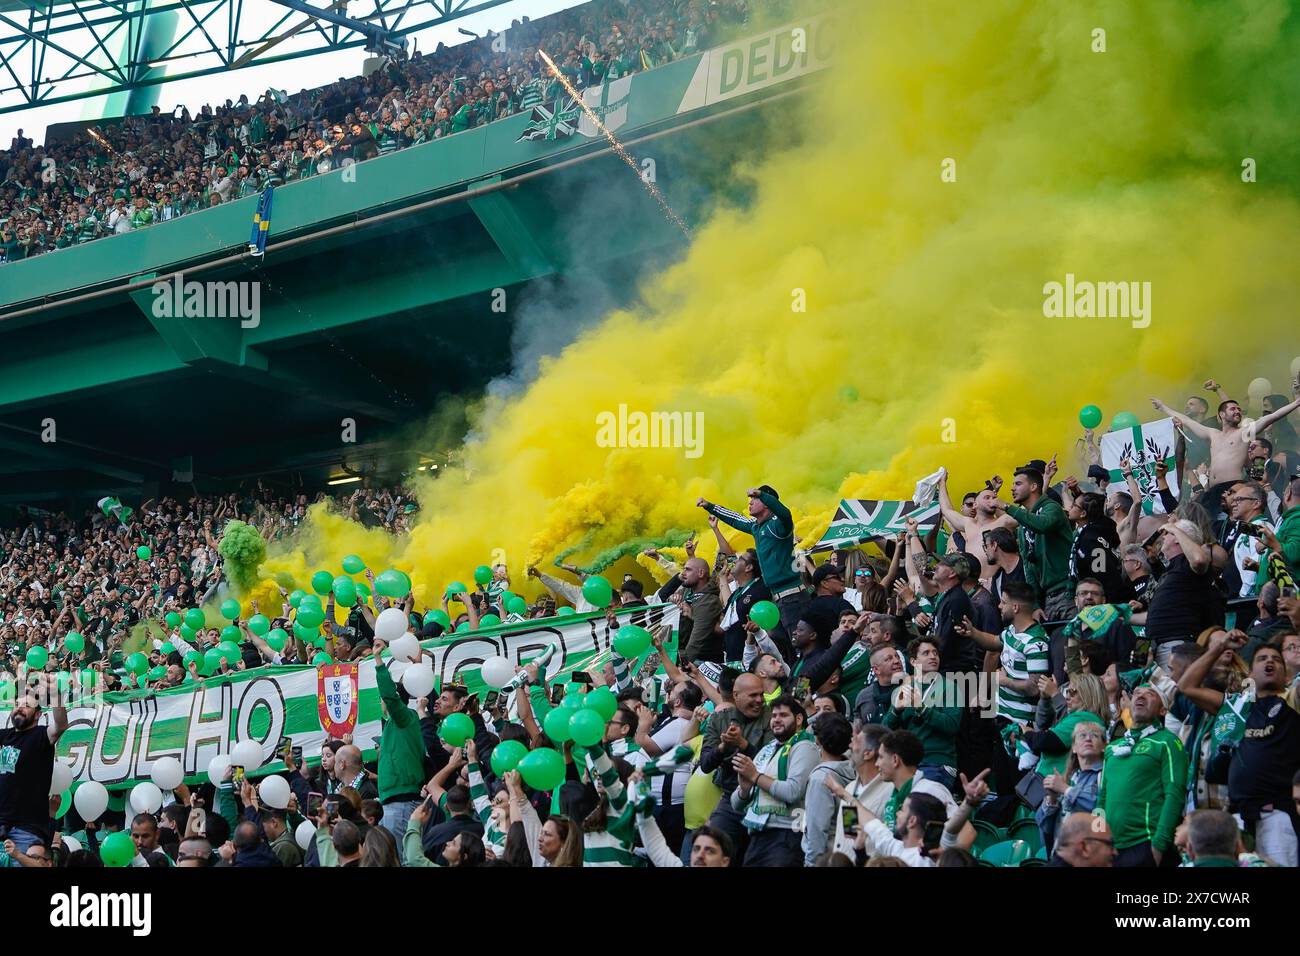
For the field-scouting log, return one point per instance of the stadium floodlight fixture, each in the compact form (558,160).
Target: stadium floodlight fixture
(346,479)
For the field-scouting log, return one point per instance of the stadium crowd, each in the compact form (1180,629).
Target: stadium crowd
(1058,676)
(148,169)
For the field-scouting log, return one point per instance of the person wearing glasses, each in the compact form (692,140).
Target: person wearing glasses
(1084,840)
(38,854)
(1075,790)
(1247,504)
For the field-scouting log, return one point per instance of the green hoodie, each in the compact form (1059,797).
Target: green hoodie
(401,745)
(1288,535)
(1045,539)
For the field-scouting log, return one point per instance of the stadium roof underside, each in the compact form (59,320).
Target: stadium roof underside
(53,51)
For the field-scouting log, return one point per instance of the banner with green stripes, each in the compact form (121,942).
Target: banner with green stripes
(117,739)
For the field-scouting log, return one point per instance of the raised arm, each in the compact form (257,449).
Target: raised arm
(1191,684)
(955,519)
(1284,411)
(1191,424)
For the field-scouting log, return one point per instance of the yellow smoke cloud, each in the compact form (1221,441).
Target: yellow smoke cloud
(924,297)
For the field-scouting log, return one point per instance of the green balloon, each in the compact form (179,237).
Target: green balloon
(482,574)
(307,635)
(586,726)
(456,728)
(392,584)
(276,639)
(230,634)
(517,605)
(192,657)
(574,701)
(462,627)
(74,642)
(211,661)
(168,648)
(137,663)
(1123,421)
(597,591)
(321,641)
(439,615)
(321,582)
(117,849)
(1090,416)
(321,658)
(312,617)
(631,641)
(157,673)
(143,553)
(230,652)
(765,614)
(556,724)
(353,564)
(295,597)
(37,657)
(506,756)
(310,600)
(65,801)
(173,619)
(603,702)
(456,587)
(196,619)
(542,769)
(564,611)
(259,624)
(187,633)
(230,609)
(345,591)
(489,620)
(363,590)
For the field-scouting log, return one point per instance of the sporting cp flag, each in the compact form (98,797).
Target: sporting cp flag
(865,519)
(1143,445)
(550,121)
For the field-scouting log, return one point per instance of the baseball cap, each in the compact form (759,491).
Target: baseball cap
(960,562)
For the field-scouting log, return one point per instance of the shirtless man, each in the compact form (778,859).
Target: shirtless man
(1228,445)
(972,528)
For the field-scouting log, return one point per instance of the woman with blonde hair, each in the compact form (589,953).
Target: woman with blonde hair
(1085,700)
(1075,790)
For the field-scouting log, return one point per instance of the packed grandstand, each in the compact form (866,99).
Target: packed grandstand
(1088,656)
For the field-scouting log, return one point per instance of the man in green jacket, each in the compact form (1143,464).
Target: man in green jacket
(772,526)
(1287,538)
(1045,538)
(1144,784)
(923,706)
(401,752)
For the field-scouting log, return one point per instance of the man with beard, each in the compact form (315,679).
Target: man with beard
(1143,783)
(771,785)
(1228,443)
(27,766)
(1263,731)
(984,518)
(1044,536)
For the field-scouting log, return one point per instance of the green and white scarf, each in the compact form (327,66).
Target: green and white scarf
(773,755)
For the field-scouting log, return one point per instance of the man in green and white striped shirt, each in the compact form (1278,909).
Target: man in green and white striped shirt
(1024,651)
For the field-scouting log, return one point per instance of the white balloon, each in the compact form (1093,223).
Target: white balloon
(497,672)
(217,768)
(246,754)
(60,779)
(274,792)
(70,844)
(390,624)
(167,773)
(91,800)
(396,669)
(418,680)
(305,833)
(1258,388)
(405,648)
(146,797)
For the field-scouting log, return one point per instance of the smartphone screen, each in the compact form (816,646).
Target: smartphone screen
(557,694)
(849,816)
(490,699)
(582,677)
(801,687)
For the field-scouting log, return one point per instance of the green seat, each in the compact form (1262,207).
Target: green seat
(986,834)
(1033,861)
(1007,853)
(1026,830)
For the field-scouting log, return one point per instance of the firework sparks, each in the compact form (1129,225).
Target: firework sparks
(99,138)
(618,147)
